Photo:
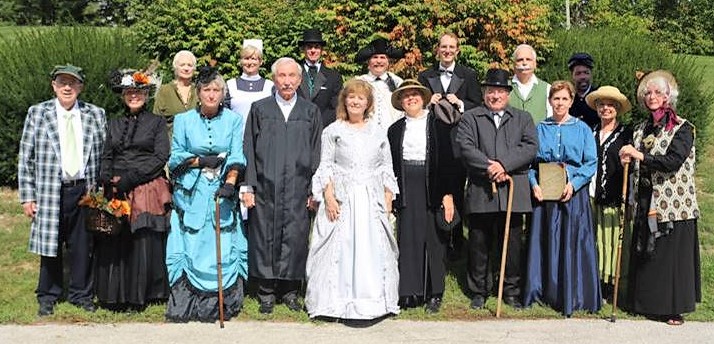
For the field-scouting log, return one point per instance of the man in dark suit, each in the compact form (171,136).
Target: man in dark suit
(60,152)
(282,146)
(459,85)
(496,141)
(320,85)
(581,68)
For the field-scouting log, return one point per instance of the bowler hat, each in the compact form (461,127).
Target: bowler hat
(409,84)
(581,59)
(498,77)
(68,69)
(609,92)
(378,46)
(311,36)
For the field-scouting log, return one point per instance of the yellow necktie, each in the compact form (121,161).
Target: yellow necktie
(70,160)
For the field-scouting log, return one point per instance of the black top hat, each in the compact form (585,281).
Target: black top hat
(581,59)
(378,46)
(311,36)
(498,77)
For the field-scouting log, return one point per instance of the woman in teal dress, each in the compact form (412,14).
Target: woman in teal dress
(206,157)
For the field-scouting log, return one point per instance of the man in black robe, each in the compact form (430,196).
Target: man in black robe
(320,84)
(282,146)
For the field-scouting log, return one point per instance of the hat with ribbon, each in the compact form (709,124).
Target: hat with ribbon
(612,93)
(581,59)
(409,84)
(311,36)
(70,70)
(378,46)
(122,79)
(498,77)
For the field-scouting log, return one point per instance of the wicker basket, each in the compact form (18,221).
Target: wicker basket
(100,221)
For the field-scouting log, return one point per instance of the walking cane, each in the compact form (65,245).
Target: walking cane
(506,233)
(219,265)
(620,237)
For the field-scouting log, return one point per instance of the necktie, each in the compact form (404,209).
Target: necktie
(311,73)
(446,72)
(70,159)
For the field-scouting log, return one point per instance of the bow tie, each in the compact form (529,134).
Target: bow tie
(446,72)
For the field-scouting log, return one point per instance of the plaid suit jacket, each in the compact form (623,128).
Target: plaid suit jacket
(39,169)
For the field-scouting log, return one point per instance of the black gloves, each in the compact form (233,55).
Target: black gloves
(226,191)
(210,161)
(126,183)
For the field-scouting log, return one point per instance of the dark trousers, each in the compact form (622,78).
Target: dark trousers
(268,288)
(77,240)
(484,230)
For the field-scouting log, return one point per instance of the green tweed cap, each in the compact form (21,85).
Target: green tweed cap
(69,70)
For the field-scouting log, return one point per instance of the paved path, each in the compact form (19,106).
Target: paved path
(388,331)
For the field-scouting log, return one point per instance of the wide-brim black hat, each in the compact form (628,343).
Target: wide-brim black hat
(498,77)
(311,36)
(378,46)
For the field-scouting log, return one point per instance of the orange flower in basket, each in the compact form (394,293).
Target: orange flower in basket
(125,208)
(140,78)
(114,204)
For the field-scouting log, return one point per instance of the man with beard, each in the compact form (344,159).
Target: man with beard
(581,67)
(282,147)
(320,85)
(529,93)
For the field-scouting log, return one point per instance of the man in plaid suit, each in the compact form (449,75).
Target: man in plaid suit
(59,158)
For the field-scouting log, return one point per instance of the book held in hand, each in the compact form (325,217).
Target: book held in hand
(552,179)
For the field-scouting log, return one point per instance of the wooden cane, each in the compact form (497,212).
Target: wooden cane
(504,251)
(219,265)
(620,238)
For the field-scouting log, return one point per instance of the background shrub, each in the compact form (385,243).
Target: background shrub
(618,54)
(28,57)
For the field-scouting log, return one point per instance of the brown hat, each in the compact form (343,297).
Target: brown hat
(609,92)
(410,84)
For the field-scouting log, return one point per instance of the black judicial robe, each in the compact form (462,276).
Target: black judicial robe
(282,157)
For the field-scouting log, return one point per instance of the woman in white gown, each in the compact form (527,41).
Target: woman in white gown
(352,263)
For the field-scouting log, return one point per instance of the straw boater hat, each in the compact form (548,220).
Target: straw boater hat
(612,93)
(409,84)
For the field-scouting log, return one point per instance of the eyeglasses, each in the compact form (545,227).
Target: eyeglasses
(63,83)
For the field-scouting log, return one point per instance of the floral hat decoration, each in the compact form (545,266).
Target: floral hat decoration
(122,79)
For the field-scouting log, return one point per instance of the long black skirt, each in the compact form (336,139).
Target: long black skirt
(419,241)
(130,268)
(668,281)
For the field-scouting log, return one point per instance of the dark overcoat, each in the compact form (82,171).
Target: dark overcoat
(282,157)
(464,84)
(328,84)
(514,144)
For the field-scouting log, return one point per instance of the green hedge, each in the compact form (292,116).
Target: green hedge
(27,59)
(618,55)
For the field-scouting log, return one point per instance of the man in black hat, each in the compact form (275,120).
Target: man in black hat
(458,85)
(581,66)
(496,142)
(320,85)
(377,56)
(60,154)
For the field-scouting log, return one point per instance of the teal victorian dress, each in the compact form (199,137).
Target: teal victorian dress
(191,247)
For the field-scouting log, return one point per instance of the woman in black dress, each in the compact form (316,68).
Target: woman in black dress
(665,279)
(425,168)
(130,270)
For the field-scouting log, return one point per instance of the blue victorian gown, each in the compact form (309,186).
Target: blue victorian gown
(562,257)
(191,248)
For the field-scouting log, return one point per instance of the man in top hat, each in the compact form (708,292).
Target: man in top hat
(320,85)
(581,67)
(59,158)
(529,93)
(458,85)
(496,141)
(377,56)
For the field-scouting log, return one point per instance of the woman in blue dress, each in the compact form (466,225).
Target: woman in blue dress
(206,155)
(562,258)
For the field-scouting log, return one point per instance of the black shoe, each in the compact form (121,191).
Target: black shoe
(408,301)
(46,309)
(292,304)
(87,306)
(432,305)
(477,302)
(266,307)
(513,302)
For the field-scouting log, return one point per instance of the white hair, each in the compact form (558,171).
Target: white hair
(183,53)
(662,85)
(282,61)
(524,46)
